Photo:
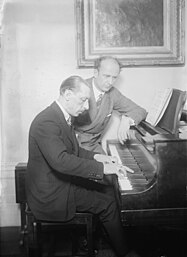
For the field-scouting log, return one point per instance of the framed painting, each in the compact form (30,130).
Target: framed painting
(137,32)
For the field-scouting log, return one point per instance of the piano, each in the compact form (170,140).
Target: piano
(156,193)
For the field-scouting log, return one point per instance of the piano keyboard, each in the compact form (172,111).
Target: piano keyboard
(133,157)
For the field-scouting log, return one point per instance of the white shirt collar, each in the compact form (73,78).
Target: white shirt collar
(66,114)
(97,92)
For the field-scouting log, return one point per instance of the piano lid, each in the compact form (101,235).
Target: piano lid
(171,117)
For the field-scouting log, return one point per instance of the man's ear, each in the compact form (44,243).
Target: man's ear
(67,94)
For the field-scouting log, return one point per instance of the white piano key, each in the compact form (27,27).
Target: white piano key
(124,183)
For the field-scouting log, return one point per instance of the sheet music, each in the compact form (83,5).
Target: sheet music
(159,105)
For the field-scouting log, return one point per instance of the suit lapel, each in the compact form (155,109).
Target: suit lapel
(93,111)
(63,123)
(74,141)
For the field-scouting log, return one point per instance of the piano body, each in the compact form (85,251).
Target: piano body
(156,193)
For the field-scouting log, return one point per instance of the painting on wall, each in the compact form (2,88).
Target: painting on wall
(138,32)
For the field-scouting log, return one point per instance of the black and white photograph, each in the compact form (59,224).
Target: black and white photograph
(93,128)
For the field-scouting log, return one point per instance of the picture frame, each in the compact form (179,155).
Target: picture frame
(138,33)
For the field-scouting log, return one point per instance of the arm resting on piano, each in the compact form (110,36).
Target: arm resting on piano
(124,127)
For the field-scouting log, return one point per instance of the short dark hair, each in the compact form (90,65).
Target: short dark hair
(71,83)
(98,61)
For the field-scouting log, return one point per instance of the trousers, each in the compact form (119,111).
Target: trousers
(100,200)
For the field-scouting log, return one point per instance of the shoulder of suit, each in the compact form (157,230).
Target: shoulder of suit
(53,111)
(50,113)
(47,110)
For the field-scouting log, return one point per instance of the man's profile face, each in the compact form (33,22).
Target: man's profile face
(107,74)
(79,100)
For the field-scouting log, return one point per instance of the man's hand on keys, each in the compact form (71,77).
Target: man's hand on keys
(114,168)
(111,165)
(105,158)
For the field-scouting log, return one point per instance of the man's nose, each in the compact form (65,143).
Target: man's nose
(111,80)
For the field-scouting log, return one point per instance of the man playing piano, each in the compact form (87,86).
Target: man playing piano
(61,176)
(105,99)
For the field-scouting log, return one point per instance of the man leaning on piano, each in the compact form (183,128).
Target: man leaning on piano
(90,124)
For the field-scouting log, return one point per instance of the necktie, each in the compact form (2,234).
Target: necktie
(69,121)
(99,100)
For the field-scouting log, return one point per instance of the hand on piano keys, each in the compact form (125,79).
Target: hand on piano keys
(113,165)
(123,132)
(123,167)
(121,172)
(115,168)
(116,159)
(105,158)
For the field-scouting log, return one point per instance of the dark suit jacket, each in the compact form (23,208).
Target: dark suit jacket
(55,160)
